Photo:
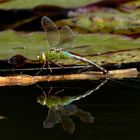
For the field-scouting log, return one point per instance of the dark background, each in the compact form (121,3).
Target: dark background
(115,107)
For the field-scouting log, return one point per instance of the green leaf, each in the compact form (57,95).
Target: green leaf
(33,3)
(106,22)
(101,48)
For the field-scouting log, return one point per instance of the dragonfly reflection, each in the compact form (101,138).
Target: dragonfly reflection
(60,41)
(60,109)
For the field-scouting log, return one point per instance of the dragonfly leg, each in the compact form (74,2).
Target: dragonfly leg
(42,90)
(56,64)
(45,60)
(62,90)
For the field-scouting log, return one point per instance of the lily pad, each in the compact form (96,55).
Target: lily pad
(33,3)
(98,47)
(111,21)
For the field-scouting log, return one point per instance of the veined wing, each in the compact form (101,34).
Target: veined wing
(52,118)
(52,31)
(85,117)
(67,37)
(67,124)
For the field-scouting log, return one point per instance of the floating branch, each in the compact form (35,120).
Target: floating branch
(25,80)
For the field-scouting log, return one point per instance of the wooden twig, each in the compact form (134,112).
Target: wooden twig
(25,80)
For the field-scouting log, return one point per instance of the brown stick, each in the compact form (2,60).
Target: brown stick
(25,80)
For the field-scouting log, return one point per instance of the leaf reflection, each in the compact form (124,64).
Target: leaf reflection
(60,110)
(2,117)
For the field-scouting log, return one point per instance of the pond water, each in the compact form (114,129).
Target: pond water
(115,108)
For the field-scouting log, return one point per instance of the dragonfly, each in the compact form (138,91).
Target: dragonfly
(61,40)
(60,109)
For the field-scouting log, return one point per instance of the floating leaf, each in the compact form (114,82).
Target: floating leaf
(105,22)
(97,47)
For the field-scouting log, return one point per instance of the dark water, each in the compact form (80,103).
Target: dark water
(115,106)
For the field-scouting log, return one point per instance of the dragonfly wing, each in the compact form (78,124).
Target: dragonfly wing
(67,37)
(53,118)
(85,117)
(67,124)
(52,31)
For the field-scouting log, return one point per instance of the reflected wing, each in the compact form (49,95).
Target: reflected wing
(85,117)
(52,31)
(67,37)
(52,118)
(67,124)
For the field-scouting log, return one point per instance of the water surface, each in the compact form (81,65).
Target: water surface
(115,107)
